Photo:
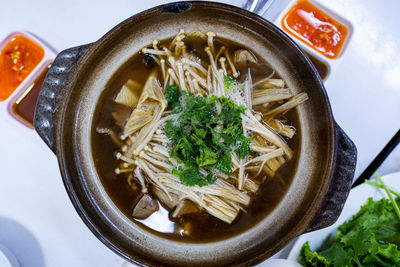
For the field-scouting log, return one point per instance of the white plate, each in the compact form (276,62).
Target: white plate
(7,259)
(357,197)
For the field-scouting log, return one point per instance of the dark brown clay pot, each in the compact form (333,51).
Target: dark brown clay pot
(78,76)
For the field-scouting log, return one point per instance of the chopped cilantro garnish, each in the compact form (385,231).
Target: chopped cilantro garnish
(202,137)
(242,146)
(230,85)
(225,162)
(228,82)
(190,176)
(172,94)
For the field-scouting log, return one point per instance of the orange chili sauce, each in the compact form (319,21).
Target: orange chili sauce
(24,107)
(17,60)
(315,28)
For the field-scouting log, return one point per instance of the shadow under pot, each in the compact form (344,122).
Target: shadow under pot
(73,92)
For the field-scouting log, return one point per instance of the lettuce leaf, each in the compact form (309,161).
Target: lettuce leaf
(370,238)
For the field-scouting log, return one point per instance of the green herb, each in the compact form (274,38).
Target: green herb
(310,258)
(225,162)
(242,147)
(381,186)
(190,176)
(396,208)
(172,94)
(370,238)
(228,82)
(230,85)
(203,137)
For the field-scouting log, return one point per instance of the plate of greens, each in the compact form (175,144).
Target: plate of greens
(367,232)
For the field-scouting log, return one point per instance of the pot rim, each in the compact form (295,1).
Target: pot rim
(82,62)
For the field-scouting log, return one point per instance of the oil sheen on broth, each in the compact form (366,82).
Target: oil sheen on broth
(202,227)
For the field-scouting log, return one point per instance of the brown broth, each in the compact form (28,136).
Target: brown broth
(319,65)
(204,227)
(24,106)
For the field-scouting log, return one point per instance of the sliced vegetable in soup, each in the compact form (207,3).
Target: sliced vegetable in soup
(195,137)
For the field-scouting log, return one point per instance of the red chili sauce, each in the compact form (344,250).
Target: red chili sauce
(18,59)
(315,28)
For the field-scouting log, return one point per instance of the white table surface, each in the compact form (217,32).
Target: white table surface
(37,221)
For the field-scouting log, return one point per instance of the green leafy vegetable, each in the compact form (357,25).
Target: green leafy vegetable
(370,238)
(204,137)
(396,208)
(381,186)
(228,82)
(230,85)
(190,176)
(242,146)
(312,259)
(225,162)
(172,94)
(207,156)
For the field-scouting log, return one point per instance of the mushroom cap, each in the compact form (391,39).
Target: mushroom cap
(145,207)
(243,56)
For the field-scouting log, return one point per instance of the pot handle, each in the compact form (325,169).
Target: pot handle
(340,185)
(53,89)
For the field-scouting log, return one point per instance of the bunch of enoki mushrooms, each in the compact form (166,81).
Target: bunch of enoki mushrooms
(145,153)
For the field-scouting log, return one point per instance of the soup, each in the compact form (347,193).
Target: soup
(195,138)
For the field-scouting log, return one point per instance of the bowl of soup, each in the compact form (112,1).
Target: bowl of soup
(195,133)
